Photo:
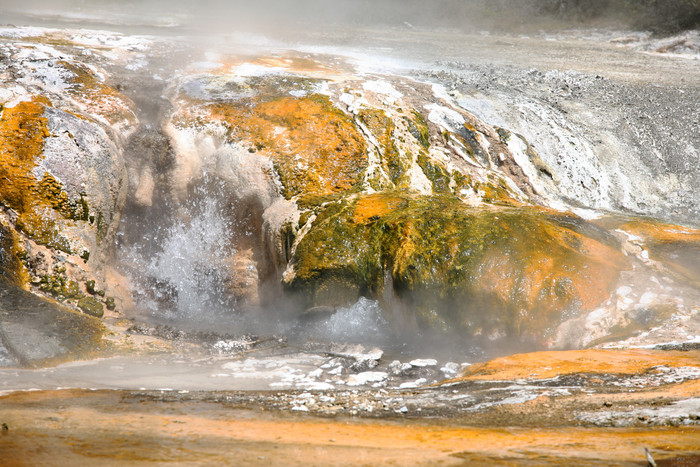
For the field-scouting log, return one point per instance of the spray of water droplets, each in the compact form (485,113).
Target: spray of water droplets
(184,268)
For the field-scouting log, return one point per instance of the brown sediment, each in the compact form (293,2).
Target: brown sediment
(542,365)
(74,427)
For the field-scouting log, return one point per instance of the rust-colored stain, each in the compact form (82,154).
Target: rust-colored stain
(23,129)
(41,204)
(676,247)
(660,232)
(547,271)
(542,365)
(38,203)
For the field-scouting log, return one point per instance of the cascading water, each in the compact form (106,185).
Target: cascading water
(183,273)
(193,260)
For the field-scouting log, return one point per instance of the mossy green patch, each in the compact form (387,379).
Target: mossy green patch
(435,172)
(12,270)
(52,191)
(470,140)
(336,261)
(91,306)
(496,191)
(58,285)
(418,127)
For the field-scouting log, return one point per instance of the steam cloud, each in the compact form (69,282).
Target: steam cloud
(659,15)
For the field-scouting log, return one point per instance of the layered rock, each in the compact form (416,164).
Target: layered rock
(285,180)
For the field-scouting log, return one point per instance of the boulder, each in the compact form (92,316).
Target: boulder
(498,272)
(382,188)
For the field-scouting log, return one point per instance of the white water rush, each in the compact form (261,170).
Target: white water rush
(189,274)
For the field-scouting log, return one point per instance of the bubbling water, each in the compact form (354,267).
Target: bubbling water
(193,259)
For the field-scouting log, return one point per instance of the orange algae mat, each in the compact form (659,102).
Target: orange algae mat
(76,427)
(541,365)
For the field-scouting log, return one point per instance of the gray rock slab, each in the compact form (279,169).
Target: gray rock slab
(34,331)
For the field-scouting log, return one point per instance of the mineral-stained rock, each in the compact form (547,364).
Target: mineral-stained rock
(11,268)
(63,174)
(91,306)
(63,178)
(314,146)
(673,248)
(543,365)
(492,272)
(332,188)
(391,192)
(295,144)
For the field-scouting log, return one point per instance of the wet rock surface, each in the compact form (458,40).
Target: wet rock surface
(299,179)
(35,332)
(547,422)
(599,119)
(64,179)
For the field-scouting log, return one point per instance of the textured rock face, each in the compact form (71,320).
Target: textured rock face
(670,248)
(381,188)
(64,177)
(496,272)
(63,174)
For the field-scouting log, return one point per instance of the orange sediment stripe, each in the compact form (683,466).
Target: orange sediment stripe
(80,426)
(541,365)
